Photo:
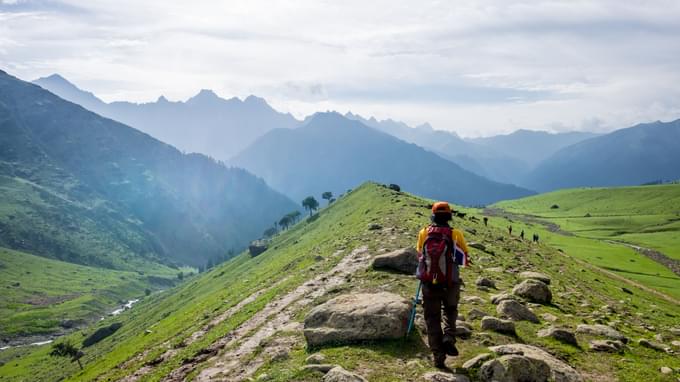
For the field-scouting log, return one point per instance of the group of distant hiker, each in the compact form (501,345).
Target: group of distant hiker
(534,238)
(441,251)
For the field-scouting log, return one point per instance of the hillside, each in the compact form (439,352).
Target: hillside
(244,318)
(85,189)
(205,123)
(619,222)
(333,153)
(633,156)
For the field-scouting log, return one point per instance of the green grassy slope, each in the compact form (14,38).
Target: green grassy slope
(47,297)
(164,323)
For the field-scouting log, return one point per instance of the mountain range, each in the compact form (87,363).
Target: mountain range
(205,123)
(86,189)
(333,153)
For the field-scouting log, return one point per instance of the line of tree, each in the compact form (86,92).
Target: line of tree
(310,204)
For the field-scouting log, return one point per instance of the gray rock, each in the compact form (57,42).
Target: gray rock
(675,331)
(676,344)
(315,359)
(479,246)
(463,332)
(497,325)
(559,370)
(535,276)
(257,247)
(403,260)
(374,227)
(476,361)
(338,374)
(357,317)
(485,282)
(666,370)
(473,300)
(534,291)
(516,311)
(476,314)
(514,368)
(549,317)
(439,376)
(321,368)
(602,331)
(651,345)
(497,298)
(609,346)
(560,334)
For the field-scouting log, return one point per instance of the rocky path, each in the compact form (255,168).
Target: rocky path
(672,264)
(237,363)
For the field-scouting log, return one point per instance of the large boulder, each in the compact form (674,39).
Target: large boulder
(403,260)
(257,247)
(602,331)
(534,291)
(357,317)
(535,276)
(338,374)
(514,368)
(516,311)
(559,370)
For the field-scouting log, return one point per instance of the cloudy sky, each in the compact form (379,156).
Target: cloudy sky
(475,67)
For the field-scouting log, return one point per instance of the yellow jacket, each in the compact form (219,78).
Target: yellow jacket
(456,236)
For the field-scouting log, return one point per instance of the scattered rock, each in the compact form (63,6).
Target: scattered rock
(651,345)
(666,370)
(559,370)
(534,291)
(675,331)
(476,361)
(479,246)
(485,282)
(338,374)
(560,334)
(549,317)
(529,275)
(322,368)
(676,344)
(403,260)
(609,346)
(463,332)
(516,311)
(495,269)
(263,377)
(498,325)
(601,330)
(473,299)
(626,290)
(511,368)
(374,226)
(315,359)
(497,298)
(476,314)
(357,317)
(439,376)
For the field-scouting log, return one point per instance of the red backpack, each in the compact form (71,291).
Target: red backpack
(436,263)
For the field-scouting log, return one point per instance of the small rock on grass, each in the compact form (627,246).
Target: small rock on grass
(322,368)
(666,370)
(315,359)
(439,376)
(609,346)
(476,361)
(497,298)
(497,325)
(601,330)
(516,311)
(476,314)
(560,334)
(535,276)
(651,345)
(534,291)
(549,317)
(338,374)
(485,282)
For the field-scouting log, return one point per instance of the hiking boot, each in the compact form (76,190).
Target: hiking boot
(439,362)
(450,348)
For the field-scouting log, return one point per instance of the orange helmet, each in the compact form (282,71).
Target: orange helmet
(441,207)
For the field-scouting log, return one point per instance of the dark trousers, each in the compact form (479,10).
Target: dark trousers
(438,299)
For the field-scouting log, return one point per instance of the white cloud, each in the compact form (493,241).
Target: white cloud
(477,67)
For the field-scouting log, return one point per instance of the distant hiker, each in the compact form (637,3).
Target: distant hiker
(441,250)
(521,235)
(486,221)
(537,238)
(533,238)
(510,229)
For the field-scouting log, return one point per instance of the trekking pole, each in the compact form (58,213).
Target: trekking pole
(412,318)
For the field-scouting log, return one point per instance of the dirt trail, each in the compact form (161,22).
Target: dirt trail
(530,219)
(237,362)
(171,352)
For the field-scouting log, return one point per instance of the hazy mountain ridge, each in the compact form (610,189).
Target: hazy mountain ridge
(333,153)
(167,205)
(631,156)
(205,123)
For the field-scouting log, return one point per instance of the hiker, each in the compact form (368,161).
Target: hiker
(537,238)
(486,221)
(441,250)
(510,229)
(521,235)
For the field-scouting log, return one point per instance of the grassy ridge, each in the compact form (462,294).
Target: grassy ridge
(313,247)
(42,296)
